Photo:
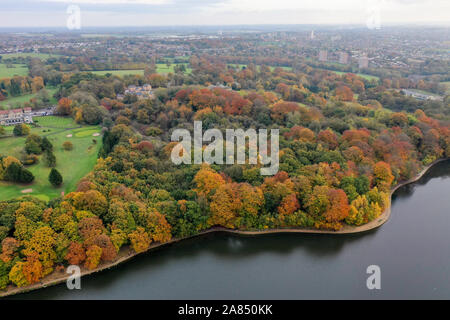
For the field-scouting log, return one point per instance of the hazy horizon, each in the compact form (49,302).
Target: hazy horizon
(168,13)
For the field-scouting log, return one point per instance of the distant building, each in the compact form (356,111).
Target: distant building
(323,55)
(312,36)
(363,62)
(344,58)
(220,86)
(143,92)
(421,96)
(15,116)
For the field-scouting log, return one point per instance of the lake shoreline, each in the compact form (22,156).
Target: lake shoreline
(126,253)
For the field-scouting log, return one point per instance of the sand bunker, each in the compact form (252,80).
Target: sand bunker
(96,134)
(69,136)
(27,191)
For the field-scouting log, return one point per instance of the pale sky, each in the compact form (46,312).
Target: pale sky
(53,13)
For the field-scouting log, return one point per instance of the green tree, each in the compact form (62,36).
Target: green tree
(55,178)
(13,172)
(50,159)
(26,176)
(21,130)
(46,145)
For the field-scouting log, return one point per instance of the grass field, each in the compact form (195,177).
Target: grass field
(447,84)
(240,66)
(73,165)
(18,70)
(13,102)
(362,75)
(120,73)
(161,68)
(42,56)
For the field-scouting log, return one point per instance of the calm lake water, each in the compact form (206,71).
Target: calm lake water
(412,250)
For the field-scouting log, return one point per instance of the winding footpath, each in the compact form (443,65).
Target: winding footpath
(127,253)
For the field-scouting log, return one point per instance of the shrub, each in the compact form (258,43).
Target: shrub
(67,146)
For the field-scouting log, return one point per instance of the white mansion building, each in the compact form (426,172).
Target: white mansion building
(16,116)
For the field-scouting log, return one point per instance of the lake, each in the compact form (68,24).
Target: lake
(412,249)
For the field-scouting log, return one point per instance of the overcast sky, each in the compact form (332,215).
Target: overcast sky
(45,13)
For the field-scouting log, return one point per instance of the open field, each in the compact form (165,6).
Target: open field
(73,165)
(240,66)
(13,102)
(447,84)
(18,70)
(43,56)
(162,68)
(362,75)
(55,122)
(424,92)
(119,73)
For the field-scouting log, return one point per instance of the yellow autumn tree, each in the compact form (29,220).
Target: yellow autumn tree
(140,241)
(207,181)
(93,256)
(16,275)
(233,201)
(42,245)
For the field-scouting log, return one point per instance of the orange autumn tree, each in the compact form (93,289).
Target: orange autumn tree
(89,228)
(9,248)
(288,206)
(76,254)
(339,207)
(158,227)
(64,107)
(32,269)
(344,93)
(109,252)
(330,206)
(301,133)
(329,138)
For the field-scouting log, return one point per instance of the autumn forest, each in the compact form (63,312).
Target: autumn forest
(345,141)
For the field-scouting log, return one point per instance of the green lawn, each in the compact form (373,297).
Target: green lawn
(42,56)
(54,122)
(119,73)
(18,70)
(73,165)
(362,75)
(240,66)
(13,102)
(447,84)
(162,68)
(424,92)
